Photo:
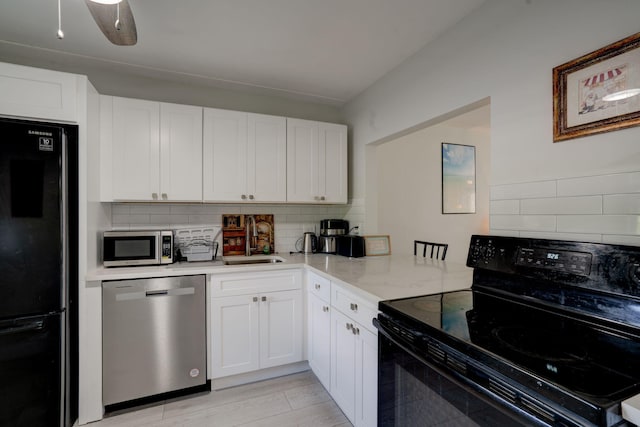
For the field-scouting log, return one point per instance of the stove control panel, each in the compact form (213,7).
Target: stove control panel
(567,261)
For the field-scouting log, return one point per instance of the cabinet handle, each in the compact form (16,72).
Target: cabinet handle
(264,299)
(316,198)
(255,299)
(349,326)
(243,197)
(164,196)
(354,307)
(321,197)
(325,308)
(356,331)
(250,196)
(154,196)
(317,286)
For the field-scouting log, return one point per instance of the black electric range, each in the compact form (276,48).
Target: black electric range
(548,334)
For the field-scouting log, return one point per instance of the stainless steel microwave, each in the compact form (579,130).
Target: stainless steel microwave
(129,248)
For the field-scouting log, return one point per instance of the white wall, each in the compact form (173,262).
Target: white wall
(505,50)
(409,190)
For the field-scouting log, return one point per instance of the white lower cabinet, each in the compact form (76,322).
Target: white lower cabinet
(354,369)
(259,327)
(342,352)
(319,339)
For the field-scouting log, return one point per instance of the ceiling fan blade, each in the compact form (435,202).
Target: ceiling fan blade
(106,15)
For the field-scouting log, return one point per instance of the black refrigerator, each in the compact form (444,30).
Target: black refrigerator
(38,273)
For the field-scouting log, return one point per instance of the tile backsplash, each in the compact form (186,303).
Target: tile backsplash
(291,221)
(600,208)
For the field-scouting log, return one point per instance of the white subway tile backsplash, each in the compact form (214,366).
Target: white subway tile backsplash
(523,222)
(621,240)
(603,224)
(622,204)
(291,221)
(575,237)
(168,219)
(526,190)
(601,184)
(150,209)
(588,205)
(506,233)
(505,207)
(602,208)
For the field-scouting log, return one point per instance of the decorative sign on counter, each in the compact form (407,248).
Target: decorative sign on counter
(377,245)
(236,228)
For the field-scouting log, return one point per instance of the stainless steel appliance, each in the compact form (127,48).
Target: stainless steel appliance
(154,337)
(140,247)
(330,231)
(38,274)
(309,242)
(548,335)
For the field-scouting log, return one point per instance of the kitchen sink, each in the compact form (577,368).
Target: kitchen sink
(249,260)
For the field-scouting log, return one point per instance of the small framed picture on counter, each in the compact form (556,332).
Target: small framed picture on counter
(377,245)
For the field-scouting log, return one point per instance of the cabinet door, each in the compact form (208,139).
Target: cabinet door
(224,155)
(267,158)
(319,339)
(180,153)
(302,161)
(234,335)
(332,159)
(366,379)
(343,364)
(136,149)
(37,93)
(280,328)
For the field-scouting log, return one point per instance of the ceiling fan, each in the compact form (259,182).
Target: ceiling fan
(115,20)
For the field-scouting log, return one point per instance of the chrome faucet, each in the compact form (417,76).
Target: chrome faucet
(251,235)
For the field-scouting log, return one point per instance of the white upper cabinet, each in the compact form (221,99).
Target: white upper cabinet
(267,158)
(150,151)
(244,157)
(37,93)
(316,162)
(180,152)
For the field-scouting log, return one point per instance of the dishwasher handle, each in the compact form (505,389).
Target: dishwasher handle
(156,293)
(128,296)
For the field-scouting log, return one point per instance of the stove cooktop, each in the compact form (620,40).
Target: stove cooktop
(559,319)
(581,357)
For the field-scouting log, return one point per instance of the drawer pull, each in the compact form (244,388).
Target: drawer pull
(264,299)
(325,308)
(317,286)
(356,331)
(255,299)
(354,307)
(349,326)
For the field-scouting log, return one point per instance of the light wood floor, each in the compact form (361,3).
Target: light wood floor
(292,400)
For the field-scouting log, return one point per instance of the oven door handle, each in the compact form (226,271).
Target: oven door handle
(391,337)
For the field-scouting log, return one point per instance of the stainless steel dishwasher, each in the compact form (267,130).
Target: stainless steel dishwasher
(153,336)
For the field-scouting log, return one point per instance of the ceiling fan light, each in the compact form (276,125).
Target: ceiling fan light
(107,1)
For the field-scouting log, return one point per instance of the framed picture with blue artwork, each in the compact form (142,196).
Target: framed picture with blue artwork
(458,179)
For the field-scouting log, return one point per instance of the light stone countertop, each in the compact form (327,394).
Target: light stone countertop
(374,278)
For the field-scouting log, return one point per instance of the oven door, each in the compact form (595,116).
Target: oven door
(415,392)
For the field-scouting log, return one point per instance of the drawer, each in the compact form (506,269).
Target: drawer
(355,307)
(257,282)
(319,286)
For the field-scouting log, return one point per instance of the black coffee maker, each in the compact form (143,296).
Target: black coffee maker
(330,231)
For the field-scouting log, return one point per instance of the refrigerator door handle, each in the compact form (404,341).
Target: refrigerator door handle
(35,325)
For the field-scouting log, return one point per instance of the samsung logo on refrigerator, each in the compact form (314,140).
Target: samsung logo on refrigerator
(39,132)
